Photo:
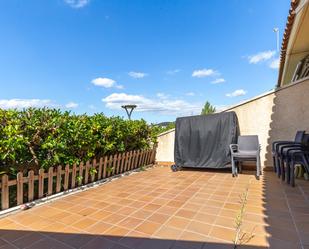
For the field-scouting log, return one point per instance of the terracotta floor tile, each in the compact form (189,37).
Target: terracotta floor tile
(151,207)
(199,227)
(98,243)
(113,218)
(98,228)
(178,222)
(223,233)
(203,217)
(148,227)
(142,214)
(184,213)
(158,218)
(130,223)
(166,232)
(116,233)
(84,223)
(225,222)
(167,210)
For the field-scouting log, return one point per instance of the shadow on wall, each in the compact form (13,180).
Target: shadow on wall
(290,113)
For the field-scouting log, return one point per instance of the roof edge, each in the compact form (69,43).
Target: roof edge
(286,38)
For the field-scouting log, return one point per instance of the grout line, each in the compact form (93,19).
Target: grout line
(293,219)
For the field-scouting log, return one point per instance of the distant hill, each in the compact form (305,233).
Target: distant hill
(165,124)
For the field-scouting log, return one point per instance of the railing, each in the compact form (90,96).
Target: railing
(31,187)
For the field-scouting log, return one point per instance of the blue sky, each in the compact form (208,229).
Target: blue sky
(166,56)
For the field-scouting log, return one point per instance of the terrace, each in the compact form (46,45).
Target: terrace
(133,201)
(158,208)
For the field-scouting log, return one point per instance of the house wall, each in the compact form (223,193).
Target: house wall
(276,115)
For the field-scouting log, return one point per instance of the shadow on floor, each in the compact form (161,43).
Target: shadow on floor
(51,240)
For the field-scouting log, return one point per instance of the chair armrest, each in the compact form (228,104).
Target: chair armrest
(233,148)
(278,145)
(274,144)
(298,152)
(288,146)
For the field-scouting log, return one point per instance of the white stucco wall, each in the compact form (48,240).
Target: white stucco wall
(165,149)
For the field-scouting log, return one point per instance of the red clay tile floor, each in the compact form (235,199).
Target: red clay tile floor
(160,209)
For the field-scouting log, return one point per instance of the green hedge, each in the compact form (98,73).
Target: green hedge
(41,138)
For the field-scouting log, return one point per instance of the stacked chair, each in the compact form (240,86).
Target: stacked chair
(286,154)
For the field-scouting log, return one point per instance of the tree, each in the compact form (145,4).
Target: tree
(208,109)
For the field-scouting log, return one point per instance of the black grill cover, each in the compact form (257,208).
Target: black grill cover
(203,141)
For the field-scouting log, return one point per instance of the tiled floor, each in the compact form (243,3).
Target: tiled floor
(160,209)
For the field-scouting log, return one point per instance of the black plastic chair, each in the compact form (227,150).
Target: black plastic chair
(285,157)
(297,157)
(276,148)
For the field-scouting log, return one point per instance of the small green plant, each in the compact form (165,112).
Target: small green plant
(142,168)
(79,179)
(109,169)
(240,236)
(93,171)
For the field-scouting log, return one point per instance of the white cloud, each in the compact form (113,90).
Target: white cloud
(164,106)
(24,103)
(137,75)
(218,81)
(76,4)
(172,72)
(236,93)
(262,56)
(204,73)
(190,94)
(275,63)
(106,82)
(71,105)
(162,95)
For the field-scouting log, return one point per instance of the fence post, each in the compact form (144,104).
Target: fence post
(110,165)
(30,185)
(59,180)
(81,173)
(130,160)
(20,188)
(115,159)
(122,162)
(126,163)
(87,172)
(136,159)
(73,176)
(4,192)
(94,166)
(149,156)
(41,183)
(118,163)
(104,167)
(100,168)
(50,180)
(66,177)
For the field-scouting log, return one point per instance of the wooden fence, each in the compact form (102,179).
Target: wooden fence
(31,187)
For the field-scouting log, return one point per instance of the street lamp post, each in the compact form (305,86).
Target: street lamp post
(129,109)
(276,30)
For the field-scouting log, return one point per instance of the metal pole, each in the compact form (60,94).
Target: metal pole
(276,30)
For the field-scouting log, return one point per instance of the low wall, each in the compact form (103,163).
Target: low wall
(165,149)
(275,115)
